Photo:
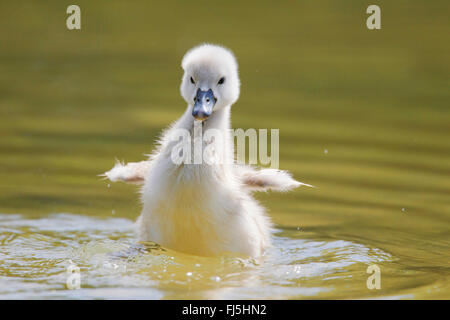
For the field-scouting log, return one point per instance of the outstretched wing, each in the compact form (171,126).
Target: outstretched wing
(133,172)
(268,179)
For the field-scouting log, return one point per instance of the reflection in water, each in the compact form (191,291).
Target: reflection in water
(35,253)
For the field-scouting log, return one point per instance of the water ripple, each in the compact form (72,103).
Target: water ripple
(35,255)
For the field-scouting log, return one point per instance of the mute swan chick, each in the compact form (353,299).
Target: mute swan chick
(204,209)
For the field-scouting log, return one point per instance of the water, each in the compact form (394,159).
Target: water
(363,116)
(36,254)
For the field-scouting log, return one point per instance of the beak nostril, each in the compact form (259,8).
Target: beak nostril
(203,105)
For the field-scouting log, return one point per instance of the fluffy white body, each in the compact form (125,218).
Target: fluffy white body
(204,209)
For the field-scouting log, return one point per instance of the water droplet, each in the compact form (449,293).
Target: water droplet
(403,210)
(216,279)
(197,265)
(325,151)
(189,274)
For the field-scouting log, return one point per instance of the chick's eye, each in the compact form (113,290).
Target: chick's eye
(192,81)
(221,81)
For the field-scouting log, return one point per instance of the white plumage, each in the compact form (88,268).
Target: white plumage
(204,209)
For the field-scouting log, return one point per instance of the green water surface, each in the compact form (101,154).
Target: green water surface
(363,115)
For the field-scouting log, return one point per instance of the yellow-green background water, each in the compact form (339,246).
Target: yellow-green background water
(363,115)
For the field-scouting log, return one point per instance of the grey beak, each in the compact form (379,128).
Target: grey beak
(204,104)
